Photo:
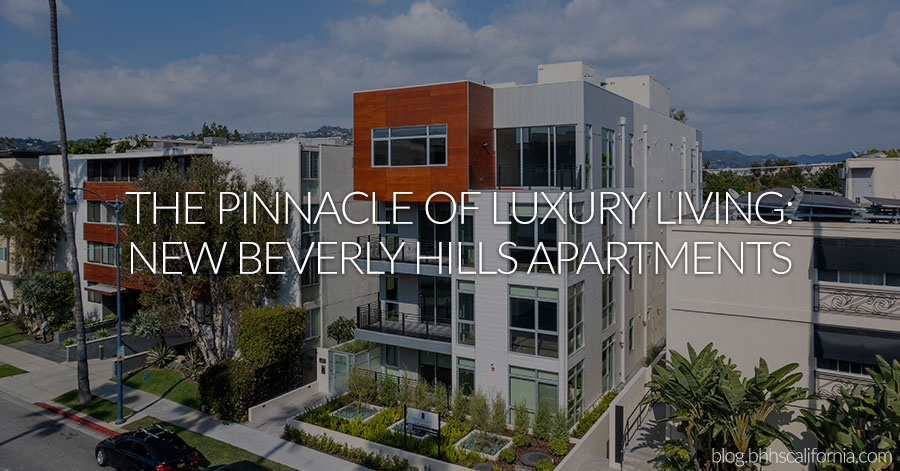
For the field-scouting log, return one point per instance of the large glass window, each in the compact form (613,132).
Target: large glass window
(465,302)
(860,277)
(309,165)
(312,325)
(466,236)
(575,393)
(310,274)
(607,158)
(309,231)
(407,146)
(531,386)
(533,321)
(527,236)
(537,156)
(93,211)
(564,157)
(575,309)
(434,299)
(101,252)
(465,375)
(607,362)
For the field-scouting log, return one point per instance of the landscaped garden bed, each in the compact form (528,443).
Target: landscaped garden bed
(357,410)
(488,444)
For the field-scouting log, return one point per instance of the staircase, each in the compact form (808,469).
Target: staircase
(641,450)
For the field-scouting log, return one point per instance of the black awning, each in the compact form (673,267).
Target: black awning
(857,254)
(858,345)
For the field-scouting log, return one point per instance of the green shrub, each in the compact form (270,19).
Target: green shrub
(591,416)
(355,346)
(652,352)
(270,334)
(543,465)
(69,341)
(498,415)
(479,410)
(227,389)
(361,385)
(326,444)
(342,330)
(405,391)
(441,402)
(460,405)
(387,390)
(559,434)
(67,325)
(160,355)
(421,398)
(507,455)
(101,333)
(542,421)
(521,424)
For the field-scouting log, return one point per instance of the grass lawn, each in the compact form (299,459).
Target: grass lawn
(9,370)
(167,383)
(9,333)
(214,452)
(98,408)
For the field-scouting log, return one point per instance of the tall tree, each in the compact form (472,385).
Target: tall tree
(830,178)
(84,383)
(208,300)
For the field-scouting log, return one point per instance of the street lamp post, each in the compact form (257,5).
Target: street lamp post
(116,207)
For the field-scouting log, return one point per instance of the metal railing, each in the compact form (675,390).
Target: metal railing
(389,320)
(877,301)
(830,383)
(379,247)
(541,176)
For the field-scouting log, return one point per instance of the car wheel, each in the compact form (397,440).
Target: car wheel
(101,457)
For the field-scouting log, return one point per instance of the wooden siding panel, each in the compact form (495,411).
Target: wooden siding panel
(95,232)
(108,190)
(481,131)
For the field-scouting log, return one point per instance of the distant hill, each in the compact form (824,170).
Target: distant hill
(735,159)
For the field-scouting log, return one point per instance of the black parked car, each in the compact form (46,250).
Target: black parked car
(147,449)
(239,466)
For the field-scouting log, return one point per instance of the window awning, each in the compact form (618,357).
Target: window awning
(858,345)
(104,289)
(857,254)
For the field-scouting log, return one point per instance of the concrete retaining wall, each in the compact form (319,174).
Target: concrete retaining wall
(61,336)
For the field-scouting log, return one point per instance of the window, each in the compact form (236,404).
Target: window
(310,274)
(409,146)
(607,158)
(631,150)
(100,252)
(312,325)
(608,233)
(631,273)
(465,295)
(631,334)
(391,297)
(465,375)
(527,237)
(537,156)
(391,356)
(843,366)
(588,149)
(575,309)
(309,231)
(575,393)
(533,321)
(608,312)
(860,277)
(607,357)
(309,165)
(434,299)
(466,236)
(693,158)
(93,297)
(575,235)
(4,254)
(93,211)
(531,386)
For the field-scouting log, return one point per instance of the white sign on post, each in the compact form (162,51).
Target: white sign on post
(423,420)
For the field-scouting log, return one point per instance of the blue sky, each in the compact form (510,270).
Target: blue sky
(759,76)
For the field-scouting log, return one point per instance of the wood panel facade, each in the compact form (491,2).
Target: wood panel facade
(96,232)
(467,110)
(106,274)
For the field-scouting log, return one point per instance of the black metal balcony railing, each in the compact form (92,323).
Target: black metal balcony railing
(876,301)
(412,249)
(561,176)
(390,320)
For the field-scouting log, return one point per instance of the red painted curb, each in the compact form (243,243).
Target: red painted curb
(76,419)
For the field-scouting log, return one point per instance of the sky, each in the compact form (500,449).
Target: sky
(758,76)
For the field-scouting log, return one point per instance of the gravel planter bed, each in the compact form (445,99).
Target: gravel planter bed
(494,445)
(355,410)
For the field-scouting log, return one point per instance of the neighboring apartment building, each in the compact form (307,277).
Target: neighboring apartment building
(561,338)
(871,175)
(306,168)
(832,313)
(10,159)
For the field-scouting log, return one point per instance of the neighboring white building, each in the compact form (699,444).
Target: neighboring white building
(871,175)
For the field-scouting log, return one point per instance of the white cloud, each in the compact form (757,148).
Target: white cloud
(758,76)
(32,16)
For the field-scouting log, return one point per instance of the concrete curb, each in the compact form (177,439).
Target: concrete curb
(76,419)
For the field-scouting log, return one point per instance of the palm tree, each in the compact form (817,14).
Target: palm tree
(84,384)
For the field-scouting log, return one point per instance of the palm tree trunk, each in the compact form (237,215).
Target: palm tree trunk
(84,385)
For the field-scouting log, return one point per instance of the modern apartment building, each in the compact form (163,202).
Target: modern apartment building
(832,313)
(563,338)
(306,168)
(10,159)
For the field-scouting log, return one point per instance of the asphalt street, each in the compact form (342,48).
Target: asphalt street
(32,439)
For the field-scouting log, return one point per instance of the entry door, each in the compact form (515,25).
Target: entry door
(338,369)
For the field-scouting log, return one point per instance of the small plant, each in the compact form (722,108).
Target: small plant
(559,434)
(361,385)
(404,392)
(460,405)
(101,333)
(652,352)
(193,363)
(422,391)
(543,465)
(441,403)
(479,410)
(342,330)
(160,355)
(542,421)
(67,325)
(387,390)
(508,456)
(521,423)
(498,415)
(69,341)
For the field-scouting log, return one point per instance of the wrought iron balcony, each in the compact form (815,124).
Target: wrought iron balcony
(829,383)
(875,301)
(391,320)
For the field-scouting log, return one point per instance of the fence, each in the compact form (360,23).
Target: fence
(390,320)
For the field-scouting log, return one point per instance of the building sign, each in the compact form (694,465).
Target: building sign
(423,420)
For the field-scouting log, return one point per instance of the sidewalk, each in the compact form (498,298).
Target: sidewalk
(47,380)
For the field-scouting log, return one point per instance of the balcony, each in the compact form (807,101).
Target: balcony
(829,383)
(875,301)
(389,325)
(379,249)
(564,177)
